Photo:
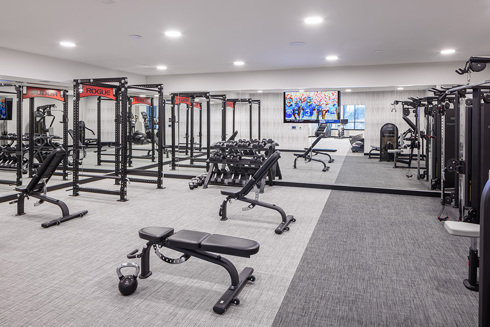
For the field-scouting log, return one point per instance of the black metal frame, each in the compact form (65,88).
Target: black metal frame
(189,134)
(250,102)
(238,281)
(121,89)
(19,149)
(32,132)
(484,285)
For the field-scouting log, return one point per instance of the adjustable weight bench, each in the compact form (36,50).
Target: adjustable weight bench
(192,244)
(310,152)
(464,229)
(253,182)
(37,188)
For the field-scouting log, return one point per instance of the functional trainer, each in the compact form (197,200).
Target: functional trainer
(253,182)
(37,188)
(192,244)
(310,152)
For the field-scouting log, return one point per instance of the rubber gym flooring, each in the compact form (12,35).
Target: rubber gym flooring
(351,259)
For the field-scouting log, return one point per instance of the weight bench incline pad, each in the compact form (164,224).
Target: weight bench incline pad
(200,245)
(241,195)
(460,228)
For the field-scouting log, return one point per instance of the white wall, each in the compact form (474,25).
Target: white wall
(24,65)
(334,78)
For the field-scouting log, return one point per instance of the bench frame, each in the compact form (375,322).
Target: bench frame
(254,180)
(238,280)
(37,188)
(310,152)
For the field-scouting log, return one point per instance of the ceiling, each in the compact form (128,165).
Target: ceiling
(216,33)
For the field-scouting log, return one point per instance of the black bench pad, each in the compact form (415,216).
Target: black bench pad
(325,150)
(232,194)
(192,240)
(155,234)
(187,239)
(230,245)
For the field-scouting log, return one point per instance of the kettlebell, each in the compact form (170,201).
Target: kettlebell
(128,283)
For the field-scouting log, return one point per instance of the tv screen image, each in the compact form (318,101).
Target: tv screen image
(3,108)
(6,108)
(312,107)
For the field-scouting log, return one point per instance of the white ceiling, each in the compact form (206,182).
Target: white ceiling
(216,33)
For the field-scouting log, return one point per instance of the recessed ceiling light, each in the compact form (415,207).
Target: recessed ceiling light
(313,20)
(260,91)
(301,90)
(142,96)
(67,44)
(297,43)
(448,51)
(399,88)
(161,67)
(348,90)
(173,33)
(239,63)
(331,58)
(135,36)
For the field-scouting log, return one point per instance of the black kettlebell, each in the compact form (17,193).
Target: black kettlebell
(128,283)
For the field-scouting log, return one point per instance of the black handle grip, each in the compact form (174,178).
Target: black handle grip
(132,254)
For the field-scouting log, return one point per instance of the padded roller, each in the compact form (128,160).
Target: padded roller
(460,228)
(187,239)
(236,246)
(155,234)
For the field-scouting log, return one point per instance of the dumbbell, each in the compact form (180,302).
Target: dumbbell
(257,159)
(201,178)
(239,178)
(193,183)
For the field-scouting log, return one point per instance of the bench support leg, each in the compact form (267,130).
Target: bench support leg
(223,209)
(238,281)
(286,220)
(20,204)
(473,262)
(145,261)
(64,211)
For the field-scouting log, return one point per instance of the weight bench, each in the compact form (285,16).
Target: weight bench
(193,244)
(376,150)
(253,182)
(310,152)
(37,188)
(459,228)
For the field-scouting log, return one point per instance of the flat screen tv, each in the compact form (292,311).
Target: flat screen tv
(312,107)
(5,108)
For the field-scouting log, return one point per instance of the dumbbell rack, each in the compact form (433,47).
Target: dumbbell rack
(234,162)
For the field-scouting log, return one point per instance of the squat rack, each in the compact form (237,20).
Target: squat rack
(19,150)
(189,100)
(231,103)
(119,92)
(60,95)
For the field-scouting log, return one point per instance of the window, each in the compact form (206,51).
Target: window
(355,114)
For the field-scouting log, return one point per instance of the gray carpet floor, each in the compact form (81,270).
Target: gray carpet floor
(380,260)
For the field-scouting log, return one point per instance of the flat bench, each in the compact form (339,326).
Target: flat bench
(253,182)
(464,229)
(199,245)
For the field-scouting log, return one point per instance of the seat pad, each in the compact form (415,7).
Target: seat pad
(460,228)
(232,194)
(236,246)
(187,239)
(155,234)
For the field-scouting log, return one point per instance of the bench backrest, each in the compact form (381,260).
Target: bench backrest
(232,137)
(261,172)
(308,151)
(46,170)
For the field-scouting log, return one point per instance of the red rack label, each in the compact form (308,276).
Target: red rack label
(35,92)
(97,91)
(140,100)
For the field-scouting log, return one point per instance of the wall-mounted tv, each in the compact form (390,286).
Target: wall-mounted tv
(312,107)
(5,108)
